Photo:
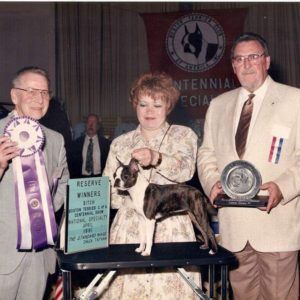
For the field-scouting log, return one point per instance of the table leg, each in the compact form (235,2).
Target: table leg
(192,284)
(67,285)
(224,281)
(211,280)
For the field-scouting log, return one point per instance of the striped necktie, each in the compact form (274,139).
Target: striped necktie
(243,126)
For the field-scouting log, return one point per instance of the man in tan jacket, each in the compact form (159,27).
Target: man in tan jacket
(266,240)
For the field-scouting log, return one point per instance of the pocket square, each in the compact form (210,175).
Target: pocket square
(281,131)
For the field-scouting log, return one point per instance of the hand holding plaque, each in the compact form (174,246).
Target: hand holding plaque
(241,182)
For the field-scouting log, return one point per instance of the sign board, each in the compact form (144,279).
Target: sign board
(87,214)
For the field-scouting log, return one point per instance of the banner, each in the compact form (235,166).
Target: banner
(194,48)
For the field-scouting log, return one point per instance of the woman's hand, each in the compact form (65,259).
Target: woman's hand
(8,150)
(145,156)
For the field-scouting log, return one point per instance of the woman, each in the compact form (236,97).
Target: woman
(167,154)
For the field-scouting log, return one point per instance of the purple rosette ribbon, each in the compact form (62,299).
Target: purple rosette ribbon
(36,223)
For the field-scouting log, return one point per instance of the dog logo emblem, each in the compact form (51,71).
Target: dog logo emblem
(195,42)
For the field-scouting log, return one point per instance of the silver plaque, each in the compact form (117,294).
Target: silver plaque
(240,179)
(241,182)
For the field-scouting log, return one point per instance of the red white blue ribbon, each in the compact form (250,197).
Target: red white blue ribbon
(275,150)
(36,223)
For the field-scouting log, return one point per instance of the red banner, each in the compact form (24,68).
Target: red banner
(194,48)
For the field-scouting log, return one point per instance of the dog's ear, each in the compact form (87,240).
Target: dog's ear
(186,30)
(121,164)
(134,165)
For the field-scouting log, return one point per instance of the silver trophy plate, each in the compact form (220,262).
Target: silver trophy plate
(241,182)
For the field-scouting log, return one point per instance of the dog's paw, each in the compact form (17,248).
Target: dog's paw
(145,253)
(204,247)
(138,250)
(212,252)
(141,248)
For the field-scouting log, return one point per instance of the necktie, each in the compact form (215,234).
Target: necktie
(89,158)
(243,126)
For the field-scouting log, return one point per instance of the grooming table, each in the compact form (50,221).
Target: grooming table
(177,255)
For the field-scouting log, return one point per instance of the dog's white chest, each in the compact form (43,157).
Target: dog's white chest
(137,199)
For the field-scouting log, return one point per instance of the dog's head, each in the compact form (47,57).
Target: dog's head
(126,176)
(192,41)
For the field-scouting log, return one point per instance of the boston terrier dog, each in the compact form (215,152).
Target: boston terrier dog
(153,201)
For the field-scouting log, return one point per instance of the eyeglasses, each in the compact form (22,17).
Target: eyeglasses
(35,92)
(253,58)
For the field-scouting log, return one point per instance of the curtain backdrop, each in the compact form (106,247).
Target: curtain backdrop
(102,48)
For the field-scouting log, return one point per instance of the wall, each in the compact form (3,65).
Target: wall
(27,38)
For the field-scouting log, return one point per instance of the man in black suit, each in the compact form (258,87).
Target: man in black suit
(89,152)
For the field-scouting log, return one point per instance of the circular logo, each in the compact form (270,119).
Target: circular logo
(195,42)
(24,136)
(34,203)
(27,133)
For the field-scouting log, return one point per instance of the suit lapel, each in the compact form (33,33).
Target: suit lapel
(263,121)
(229,116)
(47,156)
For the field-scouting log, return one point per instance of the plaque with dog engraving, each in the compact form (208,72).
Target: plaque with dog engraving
(241,183)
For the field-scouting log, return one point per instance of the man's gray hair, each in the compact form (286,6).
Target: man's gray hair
(30,69)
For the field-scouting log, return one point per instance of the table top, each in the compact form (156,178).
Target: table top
(162,255)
